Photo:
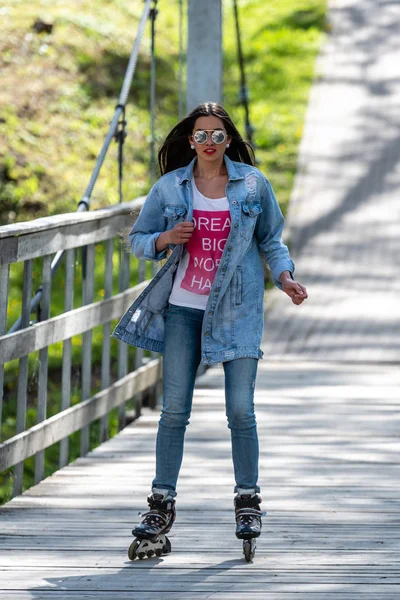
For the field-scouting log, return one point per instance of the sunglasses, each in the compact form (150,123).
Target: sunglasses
(218,136)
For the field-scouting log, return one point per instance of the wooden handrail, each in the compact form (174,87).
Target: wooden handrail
(44,238)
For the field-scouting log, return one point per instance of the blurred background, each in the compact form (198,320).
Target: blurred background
(62,67)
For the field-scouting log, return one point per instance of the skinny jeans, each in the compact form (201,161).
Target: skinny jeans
(182,356)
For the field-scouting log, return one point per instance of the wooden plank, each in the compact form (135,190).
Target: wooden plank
(139,352)
(123,283)
(49,235)
(91,580)
(288,560)
(191,577)
(43,364)
(167,595)
(201,542)
(50,241)
(23,374)
(237,573)
(4,278)
(187,525)
(68,219)
(54,429)
(12,513)
(86,372)
(106,341)
(67,325)
(67,350)
(307,504)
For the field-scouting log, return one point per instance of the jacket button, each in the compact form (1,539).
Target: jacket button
(211,312)
(236,225)
(207,333)
(224,269)
(229,248)
(234,202)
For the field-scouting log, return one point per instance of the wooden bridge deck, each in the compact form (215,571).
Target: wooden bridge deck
(329,474)
(329,429)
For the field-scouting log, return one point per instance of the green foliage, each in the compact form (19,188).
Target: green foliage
(280,41)
(68,82)
(57,98)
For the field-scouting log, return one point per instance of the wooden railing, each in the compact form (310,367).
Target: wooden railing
(34,244)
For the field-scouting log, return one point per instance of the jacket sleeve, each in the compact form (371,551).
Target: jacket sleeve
(269,235)
(148,226)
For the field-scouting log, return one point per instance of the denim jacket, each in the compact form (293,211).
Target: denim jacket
(234,316)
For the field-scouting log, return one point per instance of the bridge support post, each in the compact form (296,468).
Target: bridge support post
(204,54)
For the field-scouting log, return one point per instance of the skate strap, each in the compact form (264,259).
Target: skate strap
(155,515)
(241,512)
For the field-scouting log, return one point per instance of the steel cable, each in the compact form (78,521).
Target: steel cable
(84,203)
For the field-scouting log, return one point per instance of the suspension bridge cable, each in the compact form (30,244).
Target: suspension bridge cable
(113,128)
(153,16)
(180,74)
(130,71)
(120,136)
(243,91)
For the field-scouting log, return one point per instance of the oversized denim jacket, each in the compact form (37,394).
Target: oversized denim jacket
(233,319)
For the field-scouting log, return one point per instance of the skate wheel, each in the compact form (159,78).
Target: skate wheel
(159,552)
(150,553)
(249,550)
(141,555)
(167,546)
(132,549)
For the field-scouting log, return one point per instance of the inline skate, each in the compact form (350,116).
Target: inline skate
(248,522)
(150,538)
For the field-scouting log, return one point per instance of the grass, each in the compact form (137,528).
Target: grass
(57,97)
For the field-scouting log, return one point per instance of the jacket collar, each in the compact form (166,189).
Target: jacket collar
(233,172)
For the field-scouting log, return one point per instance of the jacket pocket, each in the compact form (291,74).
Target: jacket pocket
(174,213)
(250,212)
(238,286)
(140,321)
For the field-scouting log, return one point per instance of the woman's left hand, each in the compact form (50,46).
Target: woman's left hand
(294,290)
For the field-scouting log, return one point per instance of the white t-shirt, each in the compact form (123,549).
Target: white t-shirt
(198,266)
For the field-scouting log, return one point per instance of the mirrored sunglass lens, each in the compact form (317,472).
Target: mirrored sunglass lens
(218,136)
(200,137)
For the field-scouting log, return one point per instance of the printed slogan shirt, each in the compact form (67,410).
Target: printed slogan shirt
(232,326)
(197,269)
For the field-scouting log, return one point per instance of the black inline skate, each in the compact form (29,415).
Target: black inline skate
(150,538)
(248,522)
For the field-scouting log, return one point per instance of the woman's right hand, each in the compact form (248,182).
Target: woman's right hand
(180,234)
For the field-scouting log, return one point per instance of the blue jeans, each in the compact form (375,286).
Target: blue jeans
(182,355)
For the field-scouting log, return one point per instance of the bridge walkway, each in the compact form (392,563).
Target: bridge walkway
(329,474)
(326,398)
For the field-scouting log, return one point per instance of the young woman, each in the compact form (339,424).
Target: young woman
(219,216)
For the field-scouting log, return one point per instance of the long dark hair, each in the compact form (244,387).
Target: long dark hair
(176,152)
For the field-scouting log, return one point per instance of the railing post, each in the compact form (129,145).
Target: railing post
(4,277)
(139,352)
(23,373)
(88,293)
(106,346)
(122,347)
(67,349)
(43,364)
